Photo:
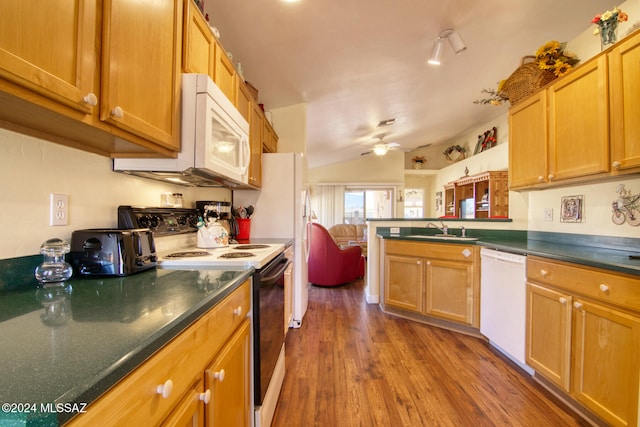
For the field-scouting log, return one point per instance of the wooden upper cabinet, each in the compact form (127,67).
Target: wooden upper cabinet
(624,85)
(579,122)
(199,45)
(51,49)
(255,138)
(225,73)
(141,51)
(243,99)
(528,142)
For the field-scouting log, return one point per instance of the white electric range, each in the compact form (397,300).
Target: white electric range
(181,251)
(175,242)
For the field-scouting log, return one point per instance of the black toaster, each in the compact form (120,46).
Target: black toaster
(112,252)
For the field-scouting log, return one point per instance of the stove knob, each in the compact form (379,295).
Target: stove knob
(143,222)
(154,221)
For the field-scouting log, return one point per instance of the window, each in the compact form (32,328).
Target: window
(413,203)
(360,204)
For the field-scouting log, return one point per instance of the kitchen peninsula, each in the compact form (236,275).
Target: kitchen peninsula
(579,288)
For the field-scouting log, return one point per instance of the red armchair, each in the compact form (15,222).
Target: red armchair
(329,265)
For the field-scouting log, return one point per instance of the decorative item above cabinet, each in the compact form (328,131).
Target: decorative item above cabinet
(583,127)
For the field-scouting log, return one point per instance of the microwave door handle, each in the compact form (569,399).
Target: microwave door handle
(246,149)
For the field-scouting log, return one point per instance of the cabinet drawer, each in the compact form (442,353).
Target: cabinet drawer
(605,286)
(452,252)
(136,398)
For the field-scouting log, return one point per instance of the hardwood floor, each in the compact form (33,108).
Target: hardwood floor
(350,364)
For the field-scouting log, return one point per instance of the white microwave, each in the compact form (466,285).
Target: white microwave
(215,141)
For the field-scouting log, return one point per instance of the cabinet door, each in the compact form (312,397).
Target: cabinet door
(198,55)
(449,289)
(255,137)
(141,48)
(50,48)
(228,378)
(606,366)
(579,123)
(404,283)
(624,81)
(190,411)
(528,142)
(243,99)
(225,73)
(548,345)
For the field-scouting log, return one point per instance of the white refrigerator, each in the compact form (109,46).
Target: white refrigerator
(282,211)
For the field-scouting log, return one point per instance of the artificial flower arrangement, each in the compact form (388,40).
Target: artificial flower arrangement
(419,159)
(551,56)
(607,22)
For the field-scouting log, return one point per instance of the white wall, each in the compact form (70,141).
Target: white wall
(32,169)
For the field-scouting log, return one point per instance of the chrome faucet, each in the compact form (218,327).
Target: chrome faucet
(443,228)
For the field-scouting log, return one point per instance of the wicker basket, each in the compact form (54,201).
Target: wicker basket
(526,80)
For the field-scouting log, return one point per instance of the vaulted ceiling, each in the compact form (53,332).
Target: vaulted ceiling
(358,62)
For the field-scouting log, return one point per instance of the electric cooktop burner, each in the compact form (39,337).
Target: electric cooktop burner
(247,247)
(237,255)
(189,254)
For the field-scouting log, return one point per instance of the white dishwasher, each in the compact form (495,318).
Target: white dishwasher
(503,303)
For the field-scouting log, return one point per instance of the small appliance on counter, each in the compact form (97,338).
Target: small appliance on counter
(112,252)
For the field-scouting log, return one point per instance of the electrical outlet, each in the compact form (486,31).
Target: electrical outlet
(394,230)
(548,214)
(59,209)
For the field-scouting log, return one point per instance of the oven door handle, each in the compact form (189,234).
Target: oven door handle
(271,279)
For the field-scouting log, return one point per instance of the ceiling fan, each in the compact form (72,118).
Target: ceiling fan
(381,148)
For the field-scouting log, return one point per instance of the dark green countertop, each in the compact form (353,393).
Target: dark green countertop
(111,327)
(610,253)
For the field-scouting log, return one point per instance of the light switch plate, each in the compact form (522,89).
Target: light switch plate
(394,230)
(548,214)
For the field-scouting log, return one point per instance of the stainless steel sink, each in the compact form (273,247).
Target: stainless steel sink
(443,237)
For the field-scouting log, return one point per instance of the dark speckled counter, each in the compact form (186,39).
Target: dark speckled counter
(610,253)
(114,324)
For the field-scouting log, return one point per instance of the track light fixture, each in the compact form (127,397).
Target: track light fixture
(456,42)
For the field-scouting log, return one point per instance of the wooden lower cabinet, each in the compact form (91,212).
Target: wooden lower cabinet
(404,283)
(190,411)
(228,378)
(582,338)
(606,366)
(433,279)
(549,334)
(449,291)
(177,386)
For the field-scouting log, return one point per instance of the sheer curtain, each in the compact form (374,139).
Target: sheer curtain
(330,204)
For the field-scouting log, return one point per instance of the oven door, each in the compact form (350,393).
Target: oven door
(268,333)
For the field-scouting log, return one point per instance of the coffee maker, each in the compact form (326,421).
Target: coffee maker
(220,211)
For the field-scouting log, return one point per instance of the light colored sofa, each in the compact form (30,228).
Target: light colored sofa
(350,234)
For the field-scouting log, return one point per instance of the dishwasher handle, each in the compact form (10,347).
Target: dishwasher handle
(503,256)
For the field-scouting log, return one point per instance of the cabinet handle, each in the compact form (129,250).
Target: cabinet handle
(551,177)
(117,112)
(577,305)
(604,288)
(428,262)
(205,397)
(540,178)
(165,389)
(219,375)
(238,310)
(544,273)
(616,164)
(90,99)
(562,300)
(419,262)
